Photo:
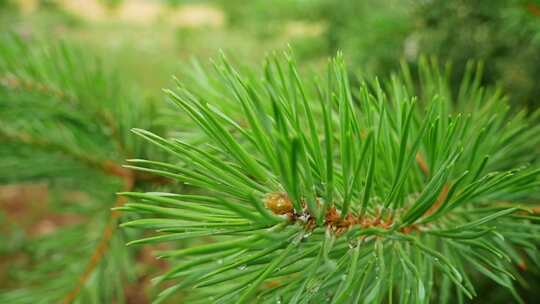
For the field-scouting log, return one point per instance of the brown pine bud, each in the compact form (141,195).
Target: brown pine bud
(279,203)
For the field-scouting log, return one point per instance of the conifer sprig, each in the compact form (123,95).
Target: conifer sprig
(325,192)
(64,122)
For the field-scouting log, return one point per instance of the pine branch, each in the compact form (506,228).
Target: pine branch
(389,188)
(108,167)
(64,121)
(15,83)
(27,139)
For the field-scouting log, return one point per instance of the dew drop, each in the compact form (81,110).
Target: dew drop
(242,267)
(220,261)
(314,288)
(421,291)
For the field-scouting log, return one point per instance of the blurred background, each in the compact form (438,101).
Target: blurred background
(147,41)
(151,39)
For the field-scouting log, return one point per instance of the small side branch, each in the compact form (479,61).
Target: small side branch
(30,140)
(15,83)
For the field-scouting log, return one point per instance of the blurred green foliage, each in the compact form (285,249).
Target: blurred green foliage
(372,34)
(504,34)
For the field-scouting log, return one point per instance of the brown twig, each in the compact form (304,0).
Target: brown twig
(422,164)
(533,9)
(279,203)
(128,179)
(444,192)
(16,83)
(48,145)
(102,165)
